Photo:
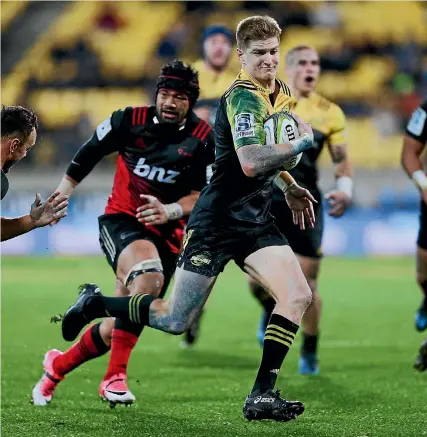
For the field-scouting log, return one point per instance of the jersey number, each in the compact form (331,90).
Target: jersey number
(155,173)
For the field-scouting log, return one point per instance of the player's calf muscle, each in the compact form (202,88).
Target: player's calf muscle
(188,297)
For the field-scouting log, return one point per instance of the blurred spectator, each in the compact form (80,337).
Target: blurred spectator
(75,64)
(325,15)
(292,14)
(203,6)
(88,66)
(408,57)
(337,57)
(172,44)
(109,19)
(254,5)
(214,77)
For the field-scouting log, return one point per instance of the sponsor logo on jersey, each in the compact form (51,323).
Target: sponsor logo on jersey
(244,125)
(154,173)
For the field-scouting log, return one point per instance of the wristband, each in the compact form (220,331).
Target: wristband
(345,185)
(282,184)
(173,211)
(420,179)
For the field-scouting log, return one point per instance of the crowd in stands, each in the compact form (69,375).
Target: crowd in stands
(376,70)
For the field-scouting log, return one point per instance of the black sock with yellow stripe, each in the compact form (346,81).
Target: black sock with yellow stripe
(279,335)
(135,309)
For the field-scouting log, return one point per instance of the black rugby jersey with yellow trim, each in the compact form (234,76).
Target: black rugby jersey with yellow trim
(240,119)
(329,127)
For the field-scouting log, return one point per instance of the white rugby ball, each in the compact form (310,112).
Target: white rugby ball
(281,128)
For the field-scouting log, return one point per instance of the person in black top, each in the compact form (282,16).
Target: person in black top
(231,221)
(165,152)
(414,143)
(18,136)
(328,122)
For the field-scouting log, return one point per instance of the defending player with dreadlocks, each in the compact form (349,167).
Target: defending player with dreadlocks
(18,136)
(414,144)
(231,221)
(164,151)
(329,128)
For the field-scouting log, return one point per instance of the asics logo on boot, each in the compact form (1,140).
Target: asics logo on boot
(257,399)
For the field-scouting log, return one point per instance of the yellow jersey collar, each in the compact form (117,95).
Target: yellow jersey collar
(245,76)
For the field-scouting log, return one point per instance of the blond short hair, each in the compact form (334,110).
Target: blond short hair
(256,28)
(291,54)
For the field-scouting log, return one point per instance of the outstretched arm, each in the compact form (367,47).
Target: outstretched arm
(41,214)
(102,143)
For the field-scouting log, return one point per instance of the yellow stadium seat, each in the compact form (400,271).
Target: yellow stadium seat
(126,51)
(367,148)
(384,21)
(319,38)
(9,11)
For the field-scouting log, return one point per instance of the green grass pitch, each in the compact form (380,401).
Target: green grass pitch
(366,388)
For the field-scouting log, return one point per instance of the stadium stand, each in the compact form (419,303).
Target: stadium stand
(98,56)
(9,11)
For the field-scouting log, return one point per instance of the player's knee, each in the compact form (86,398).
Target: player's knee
(302,296)
(150,283)
(146,277)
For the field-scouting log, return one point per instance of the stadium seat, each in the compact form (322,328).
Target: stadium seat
(383,21)
(126,51)
(9,11)
(59,108)
(319,38)
(367,148)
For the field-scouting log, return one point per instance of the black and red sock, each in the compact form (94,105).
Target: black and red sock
(90,346)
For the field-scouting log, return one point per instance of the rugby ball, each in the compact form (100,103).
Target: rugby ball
(281,128)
